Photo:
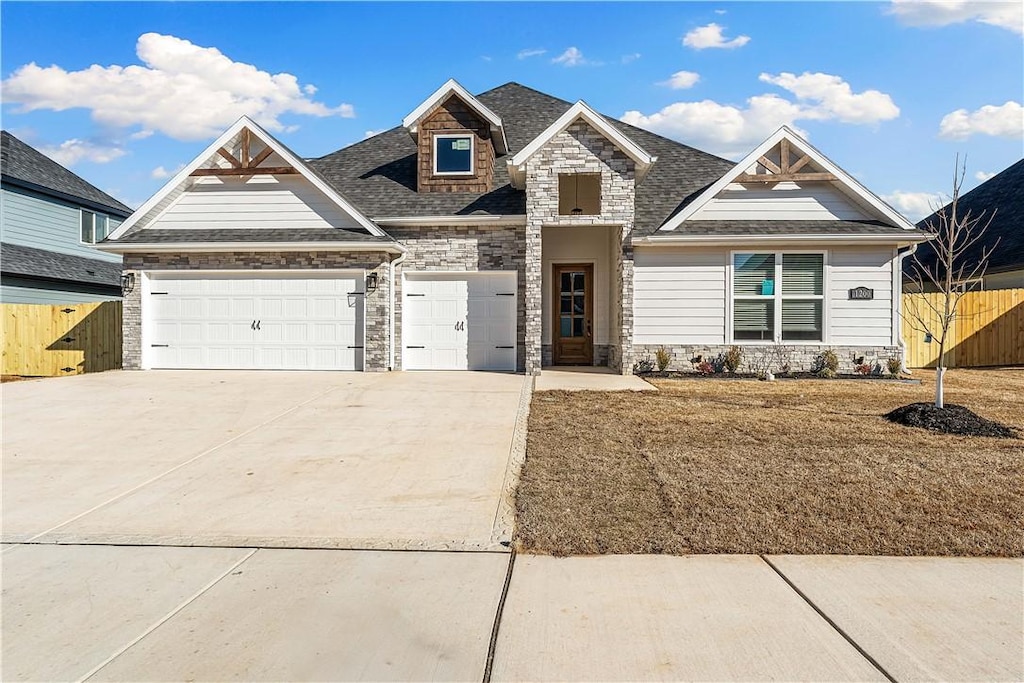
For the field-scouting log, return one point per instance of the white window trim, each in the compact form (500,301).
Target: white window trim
(472,153)
(94,214)
(777,297)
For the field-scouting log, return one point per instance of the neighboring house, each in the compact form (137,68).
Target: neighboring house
(506,231)
(1001,199)
(49,221)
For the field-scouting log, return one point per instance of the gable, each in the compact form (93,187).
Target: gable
(247,180)
(786,179)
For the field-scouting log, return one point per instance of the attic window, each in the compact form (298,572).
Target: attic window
(453,154)
(579,194)
(94,227)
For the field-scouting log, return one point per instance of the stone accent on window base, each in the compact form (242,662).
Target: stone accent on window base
(801,358)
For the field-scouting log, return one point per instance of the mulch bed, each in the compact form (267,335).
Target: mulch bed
(951,419)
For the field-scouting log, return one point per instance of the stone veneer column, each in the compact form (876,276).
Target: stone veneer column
(131,325)
(533,296)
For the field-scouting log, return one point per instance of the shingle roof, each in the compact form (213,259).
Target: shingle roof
(16,259)
(1001,197)
(20,164)
(379,174)
(745,228)
(156,236)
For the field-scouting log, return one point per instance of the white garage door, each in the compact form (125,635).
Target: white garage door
(254,321)
(459,321)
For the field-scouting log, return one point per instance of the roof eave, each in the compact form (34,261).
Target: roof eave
(913,237)
(178,247)
(64,196)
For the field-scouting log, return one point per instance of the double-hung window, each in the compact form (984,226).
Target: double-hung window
(94,227)
(778,297)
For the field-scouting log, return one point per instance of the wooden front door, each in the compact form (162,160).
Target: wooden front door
(572,287)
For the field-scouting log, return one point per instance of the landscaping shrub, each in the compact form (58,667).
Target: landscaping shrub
(732,359)
(826,364)
(663,357)
(894,365)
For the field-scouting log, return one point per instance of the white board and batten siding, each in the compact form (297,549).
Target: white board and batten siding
(782,202)
(679,295)
(257,202)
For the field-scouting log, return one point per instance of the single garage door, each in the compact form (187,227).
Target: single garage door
(459,321)
(254,321)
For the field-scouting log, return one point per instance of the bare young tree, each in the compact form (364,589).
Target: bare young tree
(959,259)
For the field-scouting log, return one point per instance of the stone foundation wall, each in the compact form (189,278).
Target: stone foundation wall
(801,358)
(377,302)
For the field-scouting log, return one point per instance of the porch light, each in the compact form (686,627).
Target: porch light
(127,283)
(371,282)
(576,210)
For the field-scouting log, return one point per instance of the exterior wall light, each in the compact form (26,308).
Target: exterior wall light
(127,283)
(371,282)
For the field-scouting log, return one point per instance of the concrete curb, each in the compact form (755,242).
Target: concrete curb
(505,516)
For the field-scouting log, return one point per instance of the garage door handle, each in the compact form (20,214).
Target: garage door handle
(415,294)
(504,347)
(505,294)
(355,347)
(415,347)
(159,346)
(158,293)
(356,293)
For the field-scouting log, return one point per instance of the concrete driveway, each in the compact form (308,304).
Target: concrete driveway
(267,459)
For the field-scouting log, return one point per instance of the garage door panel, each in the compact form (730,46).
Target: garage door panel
(459,321)
(207,321)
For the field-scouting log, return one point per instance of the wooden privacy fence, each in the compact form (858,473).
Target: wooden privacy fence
(40,340)
(988,330)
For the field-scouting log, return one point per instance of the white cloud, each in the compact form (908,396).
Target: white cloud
(914,205)
(571,57)
(984,175)
(626,59)
(835,98)
(70,152)
(732,131)
(681,80)
(183,90)
(371,133)
(530,52)
(1008,15)
(710,36)
(1006,121)
(720,11)
(161,173)
(487,58)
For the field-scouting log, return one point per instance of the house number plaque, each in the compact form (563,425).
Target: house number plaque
(862,293)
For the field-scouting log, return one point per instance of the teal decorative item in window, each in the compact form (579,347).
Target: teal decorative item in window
(767,287)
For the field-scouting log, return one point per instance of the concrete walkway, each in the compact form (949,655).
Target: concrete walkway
(164,613)
(589,378)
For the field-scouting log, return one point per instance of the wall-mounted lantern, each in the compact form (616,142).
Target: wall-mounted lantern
(127,283)
(371,282)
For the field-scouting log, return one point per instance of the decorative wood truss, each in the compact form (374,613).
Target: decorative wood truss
(788,168)
(248,165)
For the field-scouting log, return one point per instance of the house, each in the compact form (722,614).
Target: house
(1001,199)
(50,221)
(506,231)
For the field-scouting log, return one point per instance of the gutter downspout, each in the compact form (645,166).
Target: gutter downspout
(391,312)
(899,305)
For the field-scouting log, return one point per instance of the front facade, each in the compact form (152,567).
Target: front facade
(50,220)
(507,231)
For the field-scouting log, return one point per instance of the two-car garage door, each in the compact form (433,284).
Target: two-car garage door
(459,321)
(254,320)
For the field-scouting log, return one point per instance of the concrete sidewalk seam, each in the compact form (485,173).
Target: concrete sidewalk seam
(177,467)
(188,601)
(496,627)
(829,620)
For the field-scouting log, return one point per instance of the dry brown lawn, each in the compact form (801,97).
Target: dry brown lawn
(731,466)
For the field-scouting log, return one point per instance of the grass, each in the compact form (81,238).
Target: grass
(711,466)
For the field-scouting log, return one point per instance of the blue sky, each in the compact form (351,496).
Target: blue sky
(124,93)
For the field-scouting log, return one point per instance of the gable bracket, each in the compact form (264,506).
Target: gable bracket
(787,171)
(248,165)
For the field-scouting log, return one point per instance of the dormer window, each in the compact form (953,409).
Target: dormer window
(453,154)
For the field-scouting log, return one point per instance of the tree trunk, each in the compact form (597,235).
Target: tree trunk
(940,374)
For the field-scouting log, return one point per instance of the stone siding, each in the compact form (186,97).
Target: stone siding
(377,302)
(581,149)
(800,357)
(468,248)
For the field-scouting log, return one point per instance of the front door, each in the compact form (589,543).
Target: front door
(573,306)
